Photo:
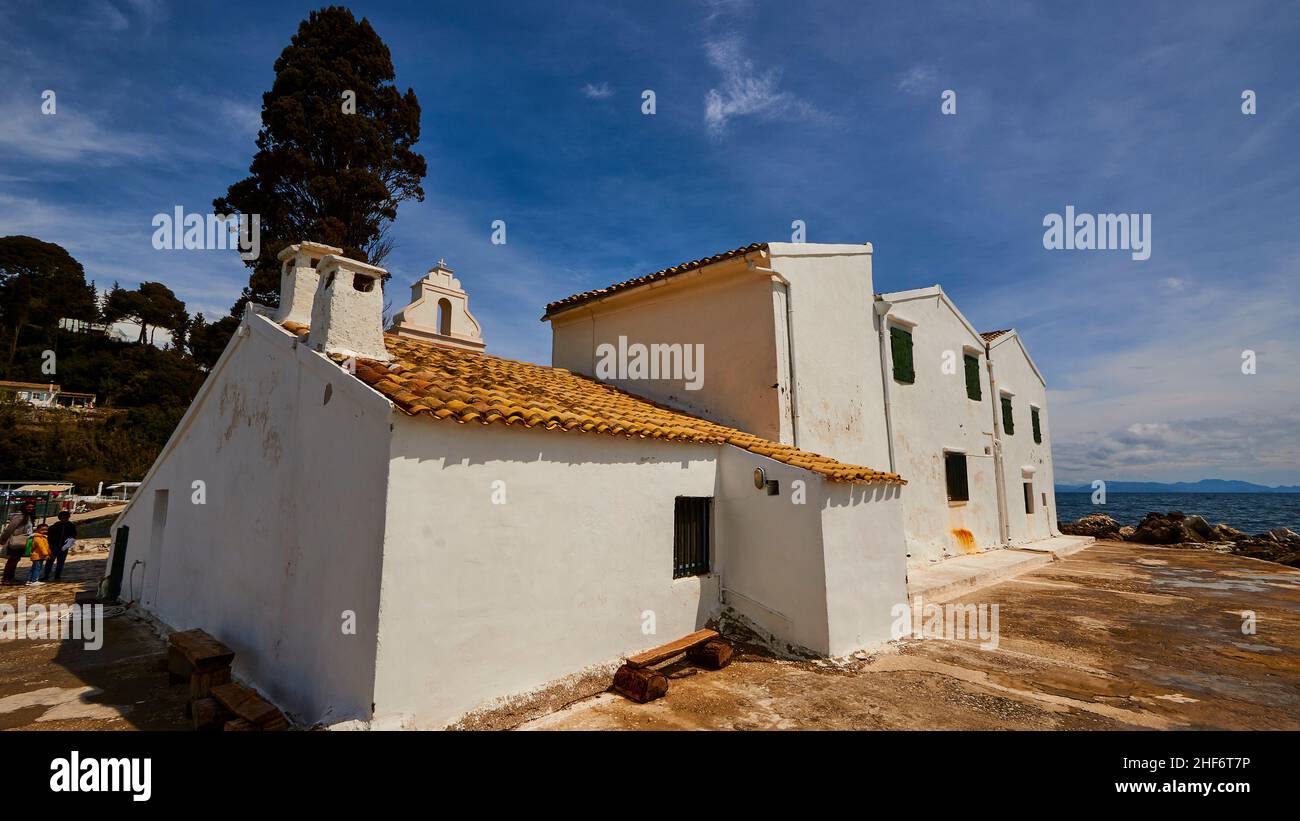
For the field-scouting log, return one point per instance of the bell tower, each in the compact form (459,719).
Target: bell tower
(439,312)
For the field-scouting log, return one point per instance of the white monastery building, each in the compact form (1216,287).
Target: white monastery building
(399,529)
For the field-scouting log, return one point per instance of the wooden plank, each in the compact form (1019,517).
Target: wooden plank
(672,648)
(201,650)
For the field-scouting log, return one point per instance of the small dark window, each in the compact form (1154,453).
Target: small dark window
(1029,497)
(900,346)
(362,283)
(972,376)
(1008,424)
(691,531)
(1038,432)
(954,468)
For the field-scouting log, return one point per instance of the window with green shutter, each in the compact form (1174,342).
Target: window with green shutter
(1008,424)
(1038,432)
(972,376)
(900,346)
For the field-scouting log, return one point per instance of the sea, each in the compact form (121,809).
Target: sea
(1251,512)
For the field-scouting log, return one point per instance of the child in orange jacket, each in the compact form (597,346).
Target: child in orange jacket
(40,552)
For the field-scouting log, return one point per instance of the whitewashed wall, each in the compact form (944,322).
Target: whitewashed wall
(820,575)
(933,415)
(481,600)
(726,308)
(290,535)
(1014,372)
(836,351)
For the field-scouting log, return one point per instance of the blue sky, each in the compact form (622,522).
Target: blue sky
(766,112)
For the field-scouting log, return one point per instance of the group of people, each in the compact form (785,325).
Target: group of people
(46,546)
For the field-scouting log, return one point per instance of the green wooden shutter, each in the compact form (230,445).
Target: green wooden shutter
(1038,433)
(900,345)
(1008,424)
(972,377)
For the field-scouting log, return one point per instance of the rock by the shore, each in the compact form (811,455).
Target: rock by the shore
(1177,529)
(1098,525)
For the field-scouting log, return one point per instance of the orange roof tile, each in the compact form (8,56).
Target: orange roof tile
(587,296)
(989,336)
(467,386)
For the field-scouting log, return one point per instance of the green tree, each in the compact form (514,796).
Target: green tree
(151,305)
(321,171)
(207,341)
(40,283)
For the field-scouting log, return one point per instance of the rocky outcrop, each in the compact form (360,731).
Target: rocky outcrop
(1177,529)
(1098,525)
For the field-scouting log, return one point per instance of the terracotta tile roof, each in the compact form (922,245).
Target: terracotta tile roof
(989,336)
(466,386)
(587,296)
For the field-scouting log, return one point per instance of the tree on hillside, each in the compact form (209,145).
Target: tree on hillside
(40,283)
(207,341)
(151,305)
(334,154)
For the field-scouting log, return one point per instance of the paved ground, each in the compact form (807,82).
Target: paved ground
(1113,637)
(47,684)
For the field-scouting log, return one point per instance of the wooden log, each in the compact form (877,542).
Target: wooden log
(208,714)
(713,654)
(673,648)
(201,684)
(238,725)
(201,650)
(640,684)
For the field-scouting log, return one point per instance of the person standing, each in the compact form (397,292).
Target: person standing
(40,552)
(62,536)
(14,538)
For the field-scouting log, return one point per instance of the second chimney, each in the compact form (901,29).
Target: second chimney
(347,314)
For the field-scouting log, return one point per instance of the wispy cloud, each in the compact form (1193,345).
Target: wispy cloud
(598,92)
(747,91)
(916,80)
(71,134)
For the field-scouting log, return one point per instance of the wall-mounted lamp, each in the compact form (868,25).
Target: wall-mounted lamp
(760,478)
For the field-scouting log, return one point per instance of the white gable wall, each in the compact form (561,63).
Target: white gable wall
(290,532)
(1023,460)
(934,415)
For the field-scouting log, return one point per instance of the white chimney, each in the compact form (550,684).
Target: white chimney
(347,314)
(439,312)
(298,280)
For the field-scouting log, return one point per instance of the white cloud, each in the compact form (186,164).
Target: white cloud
(597,92)
(71,134)
(745,91)
(916,80)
